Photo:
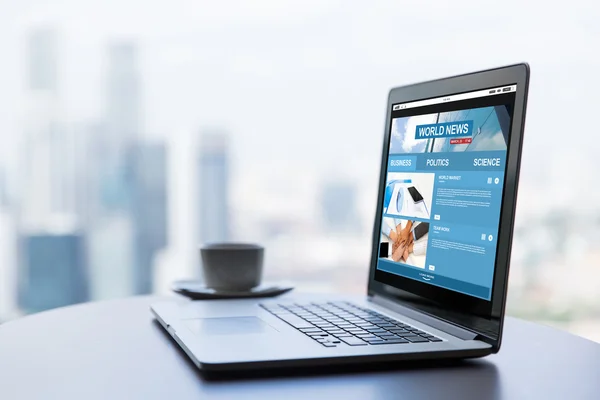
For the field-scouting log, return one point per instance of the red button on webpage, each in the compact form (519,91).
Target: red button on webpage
(461,141)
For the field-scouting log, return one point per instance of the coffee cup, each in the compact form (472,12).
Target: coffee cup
(234,267)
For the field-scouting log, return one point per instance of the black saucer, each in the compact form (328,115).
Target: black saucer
(197,291)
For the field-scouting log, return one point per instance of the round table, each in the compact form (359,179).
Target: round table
(115,350)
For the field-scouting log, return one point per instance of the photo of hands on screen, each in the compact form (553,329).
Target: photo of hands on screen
(404,241)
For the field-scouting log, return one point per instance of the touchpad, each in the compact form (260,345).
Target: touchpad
(227,325)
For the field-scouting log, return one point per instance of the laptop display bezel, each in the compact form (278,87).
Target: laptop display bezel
(477,315)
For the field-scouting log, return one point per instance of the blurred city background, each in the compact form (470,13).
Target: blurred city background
(134,130)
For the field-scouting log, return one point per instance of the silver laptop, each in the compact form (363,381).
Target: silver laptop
(441,246)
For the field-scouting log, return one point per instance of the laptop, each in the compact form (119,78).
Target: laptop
(441,248)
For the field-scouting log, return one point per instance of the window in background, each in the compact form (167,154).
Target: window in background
(129,137)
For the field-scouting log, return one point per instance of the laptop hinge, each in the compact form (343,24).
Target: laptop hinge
(424,318)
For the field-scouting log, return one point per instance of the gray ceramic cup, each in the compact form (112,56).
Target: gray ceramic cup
(235,267)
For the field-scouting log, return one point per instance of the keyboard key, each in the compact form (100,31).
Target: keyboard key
(383,336)
(376,330)
(354,332)
(397,341)
(366,336)
(296,322)
(329,344)
(318,334)
(345,334)
(380,323)
(353,341)
(409,334)
(416,339)
(314,313)
(367,325)
(334,331)
(376,341)
(325,326)
(279,311)
(310,330)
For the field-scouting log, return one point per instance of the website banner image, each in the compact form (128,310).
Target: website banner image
(475,129)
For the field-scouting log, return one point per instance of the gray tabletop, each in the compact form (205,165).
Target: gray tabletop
(114,350)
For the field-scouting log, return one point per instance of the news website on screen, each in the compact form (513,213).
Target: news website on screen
(444,186)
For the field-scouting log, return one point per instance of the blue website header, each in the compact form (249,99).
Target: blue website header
(444,130)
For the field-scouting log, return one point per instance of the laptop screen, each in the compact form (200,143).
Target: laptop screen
(443,190)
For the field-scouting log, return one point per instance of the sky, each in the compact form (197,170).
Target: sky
(302,82)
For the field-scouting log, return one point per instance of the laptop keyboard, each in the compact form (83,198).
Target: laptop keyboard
(337,323)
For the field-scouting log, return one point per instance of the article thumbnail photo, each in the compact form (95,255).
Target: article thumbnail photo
(475,129)
(409,194)
(404,241)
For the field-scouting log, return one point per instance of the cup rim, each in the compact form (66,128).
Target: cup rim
(233,246)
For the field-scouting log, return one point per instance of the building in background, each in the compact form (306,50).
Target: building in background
(42,60)
(213,188)
(54,272)
(148,173)
(121,125)
(50,244)
(111,257)
(123,96)
(48,156)
(112,214)
(339,211)
(8,254)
